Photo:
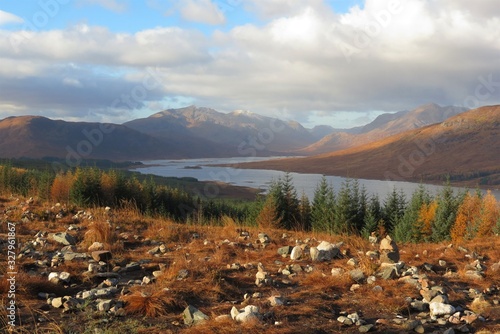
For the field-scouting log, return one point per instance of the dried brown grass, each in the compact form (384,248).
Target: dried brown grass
(99,231)
(151,302)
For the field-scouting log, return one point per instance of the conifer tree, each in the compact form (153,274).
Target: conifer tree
(407,228)
(372,218)
(446,212)
(322,207)
(394,208)
(304,213)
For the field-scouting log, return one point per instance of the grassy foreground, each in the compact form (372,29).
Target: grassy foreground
(213,268)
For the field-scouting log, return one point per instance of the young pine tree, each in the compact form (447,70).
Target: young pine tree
(408,228)
(304,213)
(446,212)
(394,209)
(322,207)
(372,217)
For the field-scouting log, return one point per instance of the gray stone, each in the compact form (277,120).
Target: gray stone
(357,275)
(276,300)
(327,251)
(69,249)
(71,256)
(284,251)
(70,303)
(132,266)
(449,331)
(104,305)
(102,255)
(365,328)
(192,315)
(64,276)
(63,238)
(440,299)
(411,324)
(427,295)
(388,273)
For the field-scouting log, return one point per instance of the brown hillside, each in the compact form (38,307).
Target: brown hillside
(466,147)
(384,126)
(38,137)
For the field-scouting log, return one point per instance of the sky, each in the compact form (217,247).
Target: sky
(334,62)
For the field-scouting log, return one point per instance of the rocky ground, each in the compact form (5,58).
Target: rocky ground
(111,270)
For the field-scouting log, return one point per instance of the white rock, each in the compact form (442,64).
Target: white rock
(296,253)
(64,276)
(437,309)
(314,252)
(53,276)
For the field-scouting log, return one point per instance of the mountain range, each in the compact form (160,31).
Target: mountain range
(424,143)
(465,148)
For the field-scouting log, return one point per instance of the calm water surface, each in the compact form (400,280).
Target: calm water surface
(261,178)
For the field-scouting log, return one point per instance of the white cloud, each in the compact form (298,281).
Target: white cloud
(308,59)
(202,11)
(6,18)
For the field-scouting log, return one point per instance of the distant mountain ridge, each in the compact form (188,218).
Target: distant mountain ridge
(466,147)
(233,132)
(39,137)
(193,132)
(383,126)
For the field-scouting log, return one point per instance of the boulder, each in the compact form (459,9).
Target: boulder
(327,251)
(437,309)
(192,315)
(284,251)
(63,238)
(249,313)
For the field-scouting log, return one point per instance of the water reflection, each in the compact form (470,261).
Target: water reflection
(261,178)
